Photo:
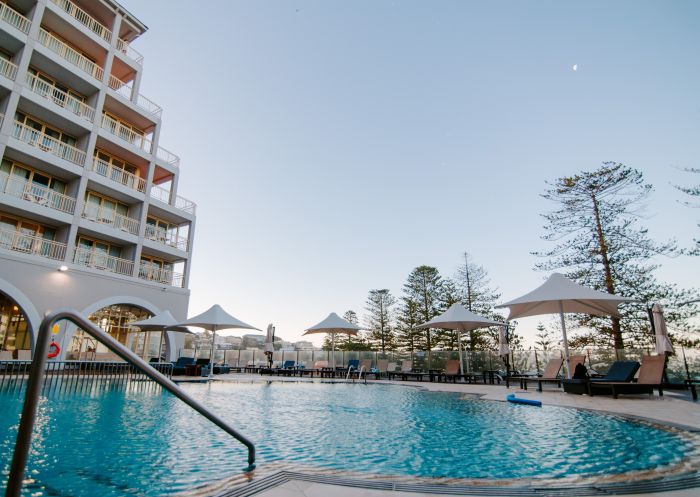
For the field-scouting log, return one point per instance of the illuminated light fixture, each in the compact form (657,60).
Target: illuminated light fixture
(63,269)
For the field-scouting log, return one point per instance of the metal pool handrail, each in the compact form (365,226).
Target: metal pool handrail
(36,377)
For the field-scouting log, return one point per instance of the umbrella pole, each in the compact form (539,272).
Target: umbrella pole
(160,345)
(459,347)
(566,342)
(333,351)
(211,357)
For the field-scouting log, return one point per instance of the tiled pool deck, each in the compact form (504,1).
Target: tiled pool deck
(675,407)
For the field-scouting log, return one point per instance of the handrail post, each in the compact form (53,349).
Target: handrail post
(36,377)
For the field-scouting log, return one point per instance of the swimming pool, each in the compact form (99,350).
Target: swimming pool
(147,443)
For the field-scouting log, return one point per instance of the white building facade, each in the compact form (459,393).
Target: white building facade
(90,216)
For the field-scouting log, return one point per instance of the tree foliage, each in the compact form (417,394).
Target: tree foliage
(693,191)
(380,306)
(599,243)
(424,288)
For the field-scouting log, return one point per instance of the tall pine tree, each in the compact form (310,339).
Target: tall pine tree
(599,244)
(380,305)
(423,289)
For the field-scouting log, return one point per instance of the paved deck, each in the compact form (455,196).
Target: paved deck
(675,407)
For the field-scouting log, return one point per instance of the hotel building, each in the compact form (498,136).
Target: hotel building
(90,216)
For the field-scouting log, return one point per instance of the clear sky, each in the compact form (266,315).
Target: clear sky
(333,146)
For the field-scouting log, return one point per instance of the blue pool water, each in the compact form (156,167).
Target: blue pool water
(147,443)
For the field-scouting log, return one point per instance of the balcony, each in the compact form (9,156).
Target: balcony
(85,19)
(118,175)
(125,91)
(167,156)
(17,241)
(178,202)
(110,217)
(127,134)
(8,69)
(70,54)
(105,262)
(37,194)
(153,272)
(48,144)
(14,18)
(165,237)
(59,97)
(124,47)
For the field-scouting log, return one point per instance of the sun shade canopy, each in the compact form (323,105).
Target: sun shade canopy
(333,324)
(159,322)
(216,319)
(457,317)
(559,294)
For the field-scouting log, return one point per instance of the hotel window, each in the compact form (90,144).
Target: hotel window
(155,269)
(97,253)
(118,166)
(24,236)
(103,209)
(25,182)
(50,88)
(45,129)
(124,130)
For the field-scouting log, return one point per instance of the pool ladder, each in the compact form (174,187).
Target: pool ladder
(359,374)
(37,372)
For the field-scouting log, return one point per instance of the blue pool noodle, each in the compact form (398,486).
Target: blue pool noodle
(512,398)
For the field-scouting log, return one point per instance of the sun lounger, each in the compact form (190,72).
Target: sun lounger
(550,375)
(619,372)
(407,372)
(382,367)
(452,371)
(650,377)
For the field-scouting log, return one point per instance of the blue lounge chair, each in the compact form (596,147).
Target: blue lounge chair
(179,365)
(619,372)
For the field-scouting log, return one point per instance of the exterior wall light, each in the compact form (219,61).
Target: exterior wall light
(63,269)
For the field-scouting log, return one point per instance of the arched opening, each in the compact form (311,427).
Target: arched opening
(115,319)
(15,332)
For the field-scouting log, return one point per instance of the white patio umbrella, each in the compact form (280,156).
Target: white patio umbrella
(160,322)
(457,317)
(559,295)
(215,318)
(663,343)
(333,324)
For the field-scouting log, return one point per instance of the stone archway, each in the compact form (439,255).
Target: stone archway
(25,312)
(112,315)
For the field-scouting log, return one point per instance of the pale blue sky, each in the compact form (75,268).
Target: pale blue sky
(333,146)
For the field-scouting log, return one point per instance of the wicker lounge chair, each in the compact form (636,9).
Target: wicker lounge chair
(452,371)
(550,375)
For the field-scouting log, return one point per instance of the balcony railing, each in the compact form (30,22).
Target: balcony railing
(124,47)
(165,237)
(125,90)
(35,193)
(59,97)
(85,19)
(178,202)
(70,54)
(168,157)
(8,69)
(153,272)
(110,217)
(105,262)
(14,18)
(119,175)
(17,241)
(126,134)
(48,144)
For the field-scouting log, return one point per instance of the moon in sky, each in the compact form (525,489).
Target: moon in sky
(575,67)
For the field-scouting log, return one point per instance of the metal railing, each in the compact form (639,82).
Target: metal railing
(59,97)
(36,379)
(125,90)
(152,272)
(125,133)
(48,144)
(112,218)
(124,47)
(85,19)
(119,175)
(35,193)
(72,376)
(14,18)
(105,262)
(70,54)
(165,237)
(17,241)
(8,69)
(178,202)
(168,157)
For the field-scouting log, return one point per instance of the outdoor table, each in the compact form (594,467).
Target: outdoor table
(327,373)
(193,369)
